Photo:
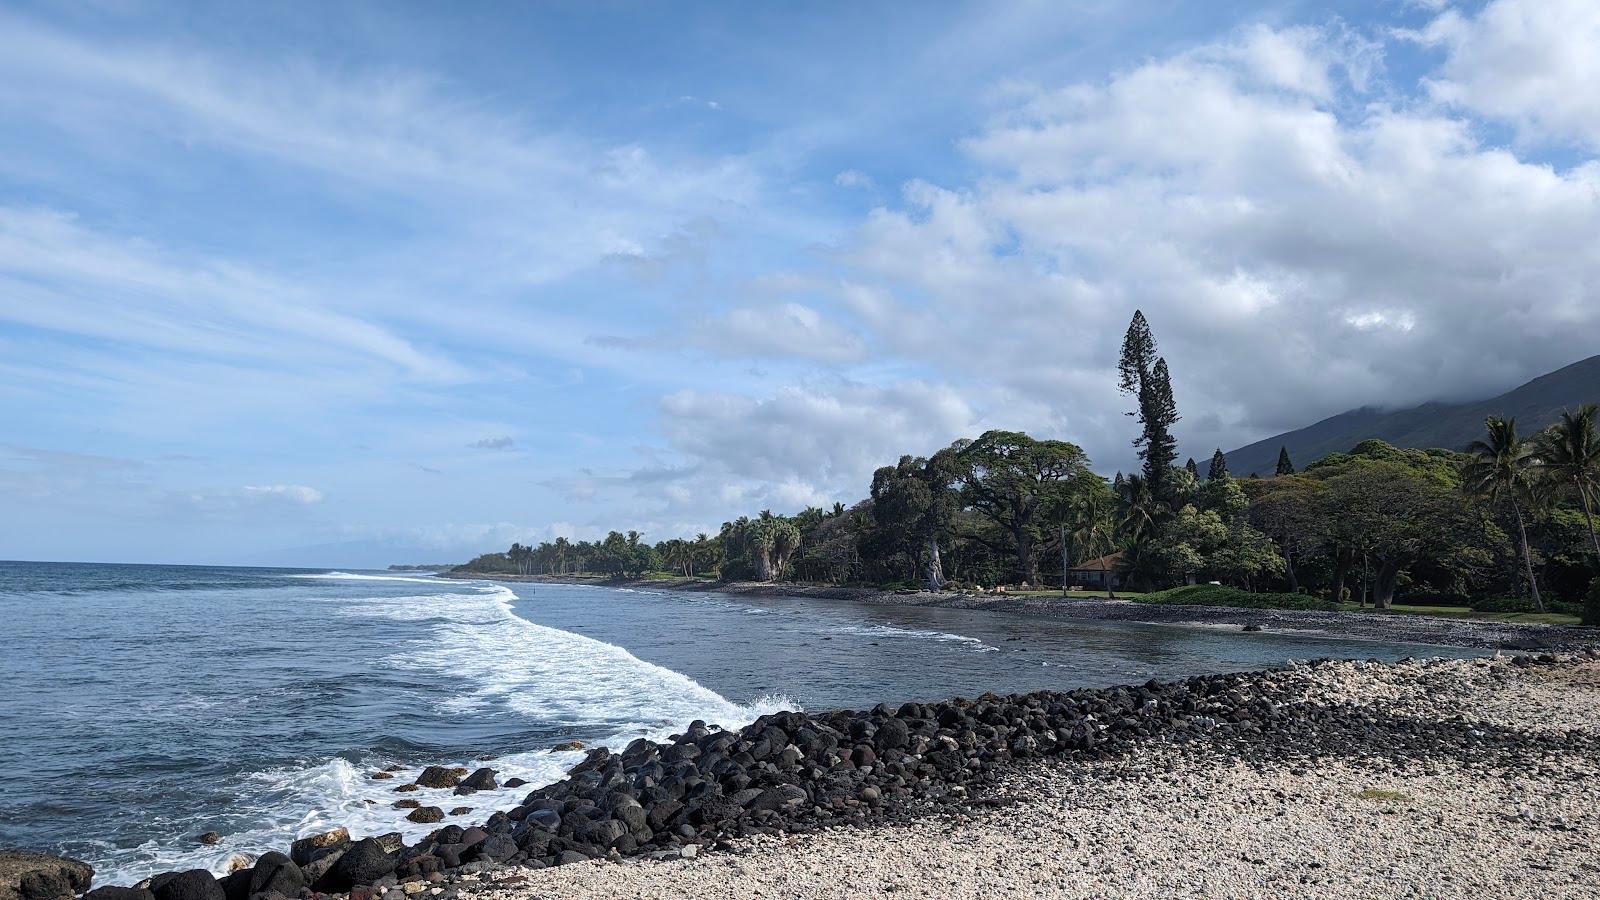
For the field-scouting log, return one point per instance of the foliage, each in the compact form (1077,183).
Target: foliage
(1369,524)
(1591,605)
(1017,484)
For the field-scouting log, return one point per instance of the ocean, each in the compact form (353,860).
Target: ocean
(145,705)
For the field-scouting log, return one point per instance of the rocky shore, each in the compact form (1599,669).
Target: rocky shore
(1416,629)
(1024,781)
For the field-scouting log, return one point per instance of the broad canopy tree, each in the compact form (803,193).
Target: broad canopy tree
(1015,483)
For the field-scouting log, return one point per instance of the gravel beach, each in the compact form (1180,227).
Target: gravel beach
(1343,813)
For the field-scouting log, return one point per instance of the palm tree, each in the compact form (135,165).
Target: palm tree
(1139,507)
(1570,451)
(1094,531)
(1504,470)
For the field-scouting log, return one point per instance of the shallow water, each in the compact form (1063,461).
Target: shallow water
(147,704)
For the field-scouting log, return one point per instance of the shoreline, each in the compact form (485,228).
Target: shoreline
(981,797)
(1388,627)
(1425,778)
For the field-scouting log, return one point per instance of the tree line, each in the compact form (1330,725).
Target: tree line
(1511,516)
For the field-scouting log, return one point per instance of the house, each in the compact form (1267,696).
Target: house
(1099,574)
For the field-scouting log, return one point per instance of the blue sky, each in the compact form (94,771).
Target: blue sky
(400,282)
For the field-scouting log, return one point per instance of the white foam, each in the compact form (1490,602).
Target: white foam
(894,631)
(553,676)
(355,576)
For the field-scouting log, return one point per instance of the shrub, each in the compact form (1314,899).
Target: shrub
(1525,605)
(1434,598)
(1591,604)
(1218,595)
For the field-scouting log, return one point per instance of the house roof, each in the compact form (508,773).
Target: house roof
(1105,563)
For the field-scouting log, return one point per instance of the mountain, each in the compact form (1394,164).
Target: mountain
(1449,425)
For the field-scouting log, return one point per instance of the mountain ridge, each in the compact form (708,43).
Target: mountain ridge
(1535,404)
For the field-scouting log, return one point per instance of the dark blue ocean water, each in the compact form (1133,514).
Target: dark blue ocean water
(144,705)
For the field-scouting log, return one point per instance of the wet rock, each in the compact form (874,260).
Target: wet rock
(210,837)
(303,850)
(440,777)
(318,867)
(406,788)
(381,776)
(515,782)
(460,810)
(39,876)
(426,814)
(481,780)
(119,893)
(407,803)
(568,746)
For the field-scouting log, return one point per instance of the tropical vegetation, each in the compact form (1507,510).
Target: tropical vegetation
(1508,522)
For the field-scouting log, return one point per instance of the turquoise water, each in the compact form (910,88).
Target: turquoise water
(147,704)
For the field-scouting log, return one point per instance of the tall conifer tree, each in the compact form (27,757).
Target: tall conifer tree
(1219,466)
(1144,375)
(1285,466)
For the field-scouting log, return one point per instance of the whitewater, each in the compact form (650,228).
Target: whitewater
(151,704)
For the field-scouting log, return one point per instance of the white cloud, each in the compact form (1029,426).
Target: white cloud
(779,330)
(1533,63)
(854,178)
(1298,252)
(1300,247)
(292,493)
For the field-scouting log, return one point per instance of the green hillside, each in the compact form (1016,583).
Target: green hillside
(1448,425)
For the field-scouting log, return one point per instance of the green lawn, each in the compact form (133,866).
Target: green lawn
(1463,612)
(1082,595)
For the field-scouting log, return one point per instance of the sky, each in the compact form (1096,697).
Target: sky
(362,283)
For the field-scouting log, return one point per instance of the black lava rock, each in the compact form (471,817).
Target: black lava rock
(276,872)
(195,884)
(365,862)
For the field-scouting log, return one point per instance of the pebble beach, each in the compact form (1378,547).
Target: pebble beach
(1228,819)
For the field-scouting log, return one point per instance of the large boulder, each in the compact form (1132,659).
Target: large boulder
(892,735)
(715,810)
(39,876)
(119,893)
(276,872)
(441,777)
(306,849)
(195,884)
(365,862)
(481,780)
